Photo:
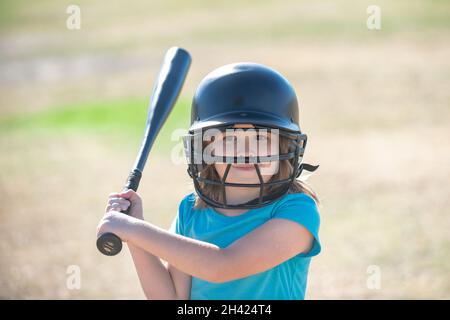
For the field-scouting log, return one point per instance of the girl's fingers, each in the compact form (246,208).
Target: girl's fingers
(127,194)
(119,200)
(114,208)
(113,195)
(130,194)
(117,204)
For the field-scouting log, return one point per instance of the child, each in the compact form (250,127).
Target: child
(250,229)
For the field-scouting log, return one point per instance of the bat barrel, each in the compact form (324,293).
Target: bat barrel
(165,93)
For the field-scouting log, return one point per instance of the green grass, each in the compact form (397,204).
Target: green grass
(123,118)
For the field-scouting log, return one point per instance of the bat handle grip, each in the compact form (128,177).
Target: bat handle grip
(108,243)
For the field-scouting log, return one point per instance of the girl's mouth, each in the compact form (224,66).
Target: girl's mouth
(244,166)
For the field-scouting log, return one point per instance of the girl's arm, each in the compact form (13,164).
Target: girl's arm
(265,247)
(158,279)
(153,275)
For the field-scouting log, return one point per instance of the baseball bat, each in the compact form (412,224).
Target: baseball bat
(165,93)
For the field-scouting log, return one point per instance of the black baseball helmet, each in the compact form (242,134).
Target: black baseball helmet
(245,93)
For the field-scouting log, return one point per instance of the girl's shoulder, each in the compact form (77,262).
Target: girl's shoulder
(186,206)
(188,201)
(297,206)
(299,199)
(300,208)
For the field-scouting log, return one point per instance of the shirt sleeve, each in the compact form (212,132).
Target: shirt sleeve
(302,209)
(179,222)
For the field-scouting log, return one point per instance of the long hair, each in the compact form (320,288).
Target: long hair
(284,172)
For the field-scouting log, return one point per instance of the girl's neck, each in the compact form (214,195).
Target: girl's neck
(231,212)
(237,195)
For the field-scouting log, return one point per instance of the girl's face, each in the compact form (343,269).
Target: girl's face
(258,144)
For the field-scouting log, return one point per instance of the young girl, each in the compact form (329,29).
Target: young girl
(250,229)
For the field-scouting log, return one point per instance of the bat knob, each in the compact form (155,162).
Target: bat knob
(109,244)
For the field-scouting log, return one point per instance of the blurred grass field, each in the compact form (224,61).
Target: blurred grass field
(375,106)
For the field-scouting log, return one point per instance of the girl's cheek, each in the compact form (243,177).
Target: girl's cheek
(220,168)
(269,169)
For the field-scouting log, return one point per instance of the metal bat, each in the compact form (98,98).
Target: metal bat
(165,93)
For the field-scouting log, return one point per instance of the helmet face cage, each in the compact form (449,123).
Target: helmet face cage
(194,148)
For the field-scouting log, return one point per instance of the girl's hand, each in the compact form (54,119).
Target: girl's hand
(114,220)
(118,223)
(121,201)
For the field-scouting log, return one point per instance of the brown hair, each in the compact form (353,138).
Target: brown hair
(285,170)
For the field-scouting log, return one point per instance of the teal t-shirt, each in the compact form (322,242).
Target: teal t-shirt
(286,281)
